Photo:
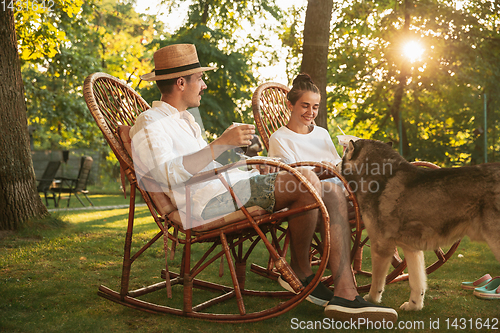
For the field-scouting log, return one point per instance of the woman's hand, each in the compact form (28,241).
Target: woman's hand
(265,169)
(322,172)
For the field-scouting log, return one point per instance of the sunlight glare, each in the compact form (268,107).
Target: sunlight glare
(413,51)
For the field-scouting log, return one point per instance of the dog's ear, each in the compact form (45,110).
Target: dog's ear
(350,149)
(350,145)
(389,143)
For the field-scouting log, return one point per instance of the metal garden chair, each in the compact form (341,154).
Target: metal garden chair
(270,113)
(76,185)
(234,237)
(45,183)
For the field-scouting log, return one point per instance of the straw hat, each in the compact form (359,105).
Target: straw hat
(175,61)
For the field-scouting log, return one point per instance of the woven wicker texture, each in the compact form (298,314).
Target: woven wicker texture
(269,109)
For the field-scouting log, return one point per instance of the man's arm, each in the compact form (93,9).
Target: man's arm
(232,137)
(153,142)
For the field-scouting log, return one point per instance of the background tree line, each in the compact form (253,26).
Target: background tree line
(370,84)
(430,106)
(110,36)
(60,46)
(439,97)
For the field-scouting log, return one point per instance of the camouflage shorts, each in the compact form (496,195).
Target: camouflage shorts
(256,191)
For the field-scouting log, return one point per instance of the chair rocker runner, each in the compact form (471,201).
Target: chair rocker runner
(270,113)
(232,238)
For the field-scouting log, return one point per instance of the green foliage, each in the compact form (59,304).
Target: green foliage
(442,101)
(109,36)
(103,36)
(217,28)
(39,33)
(291,39)
(442,92)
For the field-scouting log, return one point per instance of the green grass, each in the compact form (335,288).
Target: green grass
(110,199)
(49,278)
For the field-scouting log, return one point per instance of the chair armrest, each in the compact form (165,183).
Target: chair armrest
(216,173)
(212,174)
(65,178)
(68,181)
(43,179)
(326,170)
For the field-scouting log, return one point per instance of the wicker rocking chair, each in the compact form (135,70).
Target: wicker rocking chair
(270,113)
(234,237)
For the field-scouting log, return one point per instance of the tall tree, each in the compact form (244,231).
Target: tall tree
(19,199)
(404,68)
(438,95)
(315,49)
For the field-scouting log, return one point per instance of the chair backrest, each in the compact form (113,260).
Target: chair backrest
(84,173)
(269,109)
(113,103)
(48,176)
(115,106)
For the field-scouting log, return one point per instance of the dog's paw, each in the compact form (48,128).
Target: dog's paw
(410,306)
(370,299)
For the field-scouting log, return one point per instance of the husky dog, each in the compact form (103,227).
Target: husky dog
(419,209)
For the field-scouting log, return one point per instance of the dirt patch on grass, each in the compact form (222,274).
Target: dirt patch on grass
(6,233)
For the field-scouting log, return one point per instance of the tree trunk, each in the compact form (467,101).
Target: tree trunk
(19,199)
(315,49)
(395,109)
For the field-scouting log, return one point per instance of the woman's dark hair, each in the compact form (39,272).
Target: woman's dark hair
(300,85)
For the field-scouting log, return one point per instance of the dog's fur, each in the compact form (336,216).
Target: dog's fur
(253,149)
(419,209)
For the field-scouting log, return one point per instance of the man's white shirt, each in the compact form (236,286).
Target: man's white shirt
(161,137)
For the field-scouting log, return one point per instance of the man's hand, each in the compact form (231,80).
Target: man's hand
(233,136)
(237,136)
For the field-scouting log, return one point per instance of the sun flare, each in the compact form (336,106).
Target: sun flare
(413,50)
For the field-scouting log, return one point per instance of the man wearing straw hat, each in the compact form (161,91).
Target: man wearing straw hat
(169,141)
